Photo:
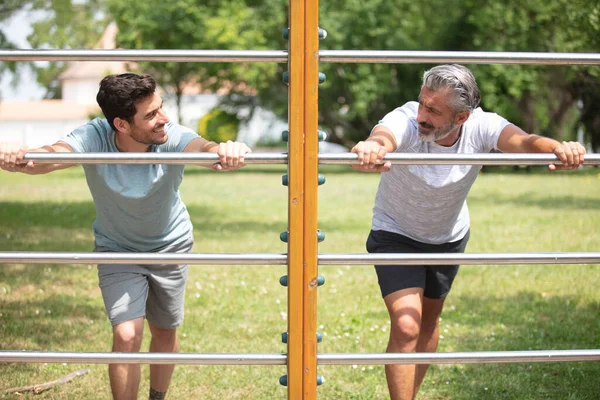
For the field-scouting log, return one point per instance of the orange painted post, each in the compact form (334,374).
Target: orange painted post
(295,197)
(311,170)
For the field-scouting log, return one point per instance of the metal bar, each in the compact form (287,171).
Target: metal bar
(480,357)
(279,56)
(8,356)
(311,206)
(142,258)
(295,198)
(281,158)
(456,259)
(467,57)
(13,257)
(149,158)
(141,358)
(458,159)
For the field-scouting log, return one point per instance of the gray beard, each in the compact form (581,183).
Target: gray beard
(435,135)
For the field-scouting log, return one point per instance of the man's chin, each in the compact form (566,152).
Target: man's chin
(162,139)
(426,137)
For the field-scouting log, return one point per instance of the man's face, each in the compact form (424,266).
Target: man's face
(148,124)
(436,119)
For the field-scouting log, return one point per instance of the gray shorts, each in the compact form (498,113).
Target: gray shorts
(153,291)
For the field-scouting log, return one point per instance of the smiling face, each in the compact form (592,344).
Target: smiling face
(148,124)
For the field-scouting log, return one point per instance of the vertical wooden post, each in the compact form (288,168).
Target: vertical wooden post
(295,198)
(311,170)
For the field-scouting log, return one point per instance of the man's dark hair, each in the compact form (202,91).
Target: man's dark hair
(119,94)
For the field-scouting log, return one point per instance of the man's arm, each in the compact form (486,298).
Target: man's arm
(231,154)
(513,139)
(12,154)
(371,151)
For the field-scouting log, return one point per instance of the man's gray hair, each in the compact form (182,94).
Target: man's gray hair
(459,80)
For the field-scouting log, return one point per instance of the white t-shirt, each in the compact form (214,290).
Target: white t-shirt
(427,203)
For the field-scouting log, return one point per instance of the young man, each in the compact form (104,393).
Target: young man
(422,208)
(138,209)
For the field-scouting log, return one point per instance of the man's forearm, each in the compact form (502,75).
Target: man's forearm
(540,144)
(40,169)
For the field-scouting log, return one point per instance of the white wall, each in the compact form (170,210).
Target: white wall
(37,133)
(80,91)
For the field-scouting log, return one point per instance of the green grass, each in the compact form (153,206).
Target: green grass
(242,309)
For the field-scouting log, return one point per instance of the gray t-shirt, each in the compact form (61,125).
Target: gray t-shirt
(138,207)
(427,203)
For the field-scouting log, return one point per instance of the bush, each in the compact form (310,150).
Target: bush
(219,125)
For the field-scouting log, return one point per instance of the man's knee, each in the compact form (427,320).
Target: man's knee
(405,330)
(163,334)
(127,337)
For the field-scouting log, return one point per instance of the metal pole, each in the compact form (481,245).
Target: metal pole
(282,158)
(466,57)
(10,257)
(278,56)
(148,158)
(459,259)
(141,358)
(458,159)
(281,56)
(480,357)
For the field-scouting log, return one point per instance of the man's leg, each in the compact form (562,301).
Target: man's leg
(430,334)
(125,378)
(163,341)
(404,307)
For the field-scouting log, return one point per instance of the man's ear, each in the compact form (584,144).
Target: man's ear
(461,117)
(122,125)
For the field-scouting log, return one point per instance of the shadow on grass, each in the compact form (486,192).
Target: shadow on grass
(65,327)
(21,217)
(527,321)
(47,214)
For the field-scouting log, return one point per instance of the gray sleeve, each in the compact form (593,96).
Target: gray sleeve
(87,138)
(179,137)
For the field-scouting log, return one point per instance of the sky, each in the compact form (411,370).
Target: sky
(16,29)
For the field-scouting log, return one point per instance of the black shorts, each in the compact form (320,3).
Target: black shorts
(435,280)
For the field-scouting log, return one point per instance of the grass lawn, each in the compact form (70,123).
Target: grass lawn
(242,309)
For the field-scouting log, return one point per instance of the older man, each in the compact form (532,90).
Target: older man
(423,209)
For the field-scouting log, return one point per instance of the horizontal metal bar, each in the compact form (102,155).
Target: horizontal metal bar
(458,159)
(279,56)
(478,357)
(466,57)
(281,158)
(143,258)
(141,358)
(482,357)
(458,259)
(12,257)
(148,158)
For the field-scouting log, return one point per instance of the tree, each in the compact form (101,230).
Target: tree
(7,9)
(70,24)
(195,24)
(539,98)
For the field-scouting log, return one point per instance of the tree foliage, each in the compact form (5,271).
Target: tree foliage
(542,99)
